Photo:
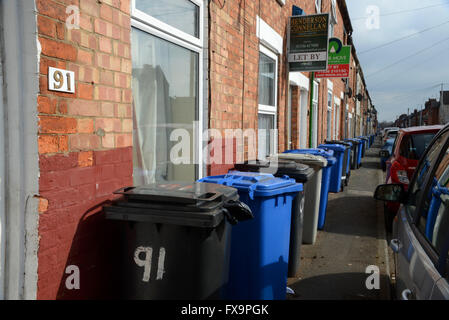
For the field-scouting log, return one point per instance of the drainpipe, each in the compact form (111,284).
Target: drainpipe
(312,78)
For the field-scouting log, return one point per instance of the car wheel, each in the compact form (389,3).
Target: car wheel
(388,217)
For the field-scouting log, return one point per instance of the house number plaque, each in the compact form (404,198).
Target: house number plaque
(61,80)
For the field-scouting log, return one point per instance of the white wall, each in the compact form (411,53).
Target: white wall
(20,53)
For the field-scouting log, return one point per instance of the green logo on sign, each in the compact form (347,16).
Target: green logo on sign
(341,57)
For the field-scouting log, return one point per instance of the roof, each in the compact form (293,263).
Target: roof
(422,129)
(345,15)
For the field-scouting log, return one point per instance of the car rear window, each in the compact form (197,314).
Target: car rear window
(392,135)
(413,146)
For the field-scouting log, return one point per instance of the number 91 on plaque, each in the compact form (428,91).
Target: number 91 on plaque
(61,80)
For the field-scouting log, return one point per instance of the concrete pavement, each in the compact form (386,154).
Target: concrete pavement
(353,238)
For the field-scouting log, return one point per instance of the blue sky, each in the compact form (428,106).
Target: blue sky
(407,84)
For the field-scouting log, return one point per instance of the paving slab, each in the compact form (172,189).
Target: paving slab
(353,239)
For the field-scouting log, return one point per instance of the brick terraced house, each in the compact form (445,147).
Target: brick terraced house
(131,78)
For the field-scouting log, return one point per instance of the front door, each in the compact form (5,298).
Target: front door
(303,119)
(289,119)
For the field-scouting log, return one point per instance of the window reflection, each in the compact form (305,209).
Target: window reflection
(267,83)
(181,14)
(165,87)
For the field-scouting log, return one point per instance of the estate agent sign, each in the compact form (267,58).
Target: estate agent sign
(308,41)
(338,62)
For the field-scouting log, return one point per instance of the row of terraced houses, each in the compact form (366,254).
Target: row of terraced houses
(135,71)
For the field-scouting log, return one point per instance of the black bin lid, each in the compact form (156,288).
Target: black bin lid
(295,170)
(178,192)
(354,141)
(181,203)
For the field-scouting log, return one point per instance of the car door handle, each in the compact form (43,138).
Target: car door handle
(407,294)
(395,245)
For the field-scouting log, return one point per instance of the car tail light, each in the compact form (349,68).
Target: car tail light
(398,173)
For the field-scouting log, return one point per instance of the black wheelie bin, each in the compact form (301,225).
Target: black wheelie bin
(356,145)
(175,239)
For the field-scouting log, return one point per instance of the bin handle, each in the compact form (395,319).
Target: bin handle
(212,198)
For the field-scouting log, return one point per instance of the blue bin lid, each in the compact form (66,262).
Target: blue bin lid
(335,147)
(256,184)
(314,151)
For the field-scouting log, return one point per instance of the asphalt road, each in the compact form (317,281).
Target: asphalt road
(353,239)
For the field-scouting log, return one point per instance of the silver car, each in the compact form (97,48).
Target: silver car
(421,228)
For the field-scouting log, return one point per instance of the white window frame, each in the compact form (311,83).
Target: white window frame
(333,12)
(315,107)
(318,6)
(271,110)
(265,108)
(152,26)
(337,106)
(166,28)
(329,108)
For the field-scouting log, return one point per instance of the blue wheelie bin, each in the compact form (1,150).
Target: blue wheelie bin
(326,179)
(359,156)
(339,169)
(260,247)
(363,141)
(347,159)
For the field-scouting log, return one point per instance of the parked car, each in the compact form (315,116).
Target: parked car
(385,131)
(390,134)
(420,236)
(385,153)
(408,148)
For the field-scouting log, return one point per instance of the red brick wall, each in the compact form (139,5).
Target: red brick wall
(84,140)
(234,54)
(234,62)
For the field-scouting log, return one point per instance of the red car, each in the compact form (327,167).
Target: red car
(408,148)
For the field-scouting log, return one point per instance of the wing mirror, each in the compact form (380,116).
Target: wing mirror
(390,192)
(384,153)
